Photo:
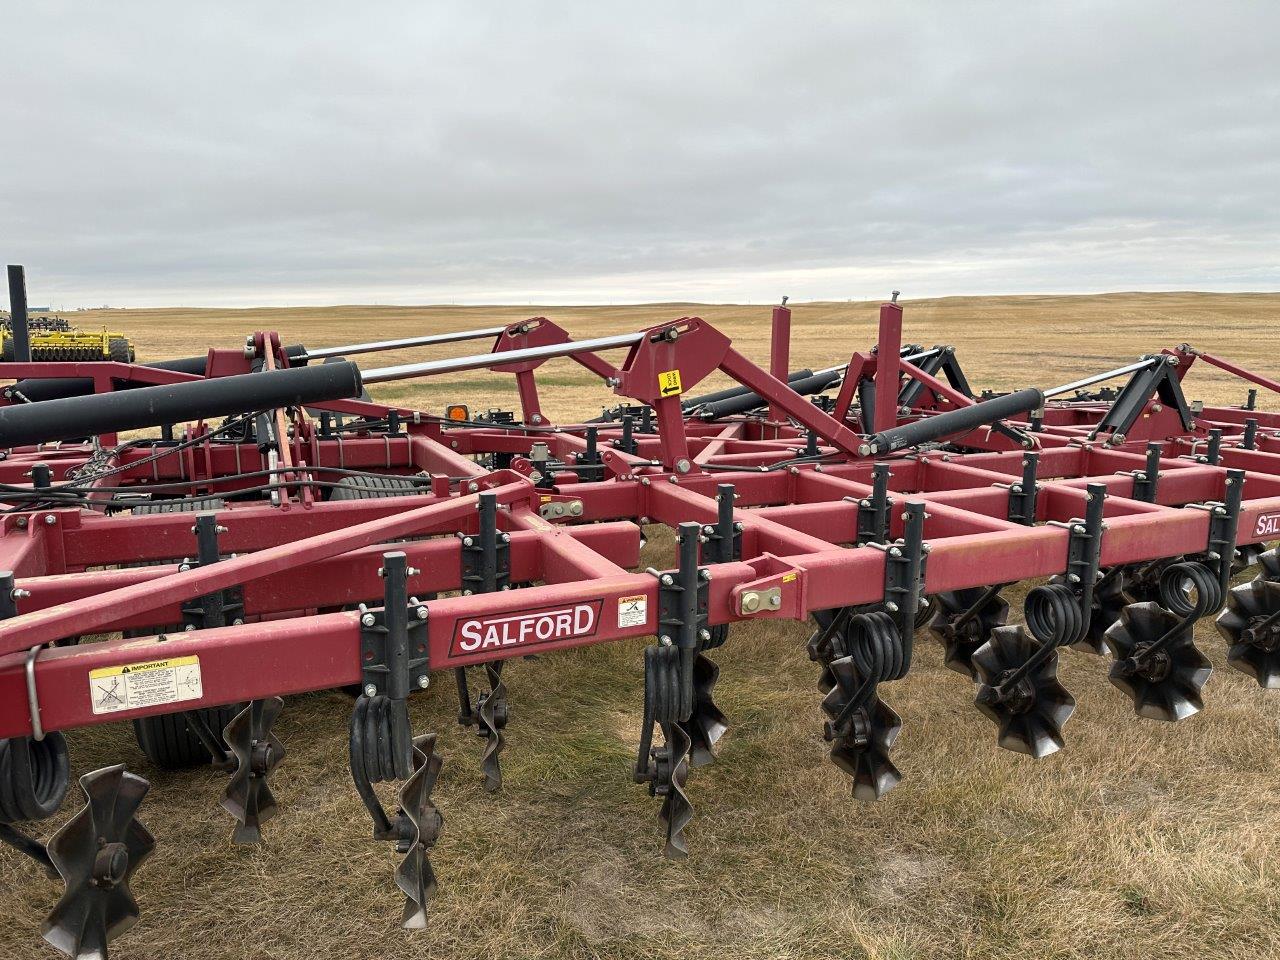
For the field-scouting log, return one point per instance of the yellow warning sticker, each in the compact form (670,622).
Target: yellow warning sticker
(669,383)
(146,684)
(788,577)
(633,611)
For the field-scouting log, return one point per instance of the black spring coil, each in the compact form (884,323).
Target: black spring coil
(662,684)
(381,745)
(1054,616)
(34,776)
(719,634)
(877,650)
(1190,589)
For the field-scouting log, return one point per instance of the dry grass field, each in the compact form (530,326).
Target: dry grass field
(1140,840)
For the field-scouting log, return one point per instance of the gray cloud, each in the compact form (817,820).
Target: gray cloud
(314,152)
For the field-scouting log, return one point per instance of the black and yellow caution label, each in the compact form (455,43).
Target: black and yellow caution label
(146,684)
(669,383)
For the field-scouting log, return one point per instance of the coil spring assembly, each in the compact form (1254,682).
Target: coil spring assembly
(1190,589)
(381,744)
(1251,623)
(861,728)
(1054,615)
(34,777)
(665,769)
(1156,661)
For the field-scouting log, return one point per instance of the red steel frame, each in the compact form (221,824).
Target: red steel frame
(299,558)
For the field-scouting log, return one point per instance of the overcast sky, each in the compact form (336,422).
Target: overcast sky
(278,153)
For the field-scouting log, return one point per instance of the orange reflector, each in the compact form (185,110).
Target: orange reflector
(457,411)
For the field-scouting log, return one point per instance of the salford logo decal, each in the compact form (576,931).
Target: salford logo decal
(544,625)
(1268,525)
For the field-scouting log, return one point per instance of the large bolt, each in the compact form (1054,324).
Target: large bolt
(750,602)
(368,620)
(666,580)
(424,681)
(370,690)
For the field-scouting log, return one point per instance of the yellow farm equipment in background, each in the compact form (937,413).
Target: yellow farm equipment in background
(72,345)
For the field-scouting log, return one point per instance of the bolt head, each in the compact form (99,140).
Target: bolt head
(370,690)
(50,519)
(423,682)
(422,613)
(666,580)
(665,641)
(704,634)
(467,541)
(891,607)
(368,620)
(189,627)
(751,602)
(895,552)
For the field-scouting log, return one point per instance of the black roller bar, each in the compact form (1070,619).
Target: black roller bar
(71,417)
(749,400)
(692,403)
(928,429)
(57,387)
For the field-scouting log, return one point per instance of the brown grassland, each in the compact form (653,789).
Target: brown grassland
(1140,840)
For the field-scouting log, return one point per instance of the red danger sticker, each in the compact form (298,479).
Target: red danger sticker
(1268,525)
(533,627)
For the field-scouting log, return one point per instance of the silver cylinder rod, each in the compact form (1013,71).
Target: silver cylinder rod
(482,360)
(376,346)
(1099,377)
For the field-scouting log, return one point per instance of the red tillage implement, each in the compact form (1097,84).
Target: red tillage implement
(314,539)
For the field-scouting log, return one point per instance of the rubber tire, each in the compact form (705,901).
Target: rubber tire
(120,350)
(377,488)
(176,506)
(169,743)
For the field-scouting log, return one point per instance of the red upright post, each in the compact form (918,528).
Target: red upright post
(780,350)
(888,369)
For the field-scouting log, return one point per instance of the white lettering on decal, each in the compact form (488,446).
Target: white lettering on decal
(485,633)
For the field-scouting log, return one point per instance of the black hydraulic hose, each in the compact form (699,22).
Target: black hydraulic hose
(71,417)
(693,403)
(748,400)
(55,388)
(927,429)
